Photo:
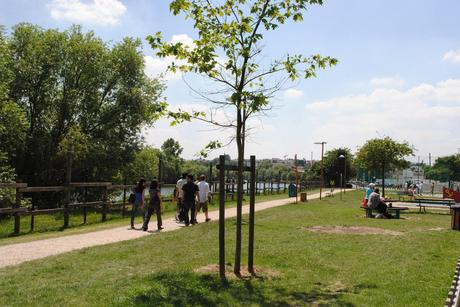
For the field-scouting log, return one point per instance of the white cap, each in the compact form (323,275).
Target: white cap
(372,184)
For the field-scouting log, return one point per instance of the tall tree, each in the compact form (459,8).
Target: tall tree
(334,165)
(385,155)
(172,148)
(73,87)
(445,169)
(172,161)
(229,53)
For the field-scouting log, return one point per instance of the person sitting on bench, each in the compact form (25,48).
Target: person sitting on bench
(378,203)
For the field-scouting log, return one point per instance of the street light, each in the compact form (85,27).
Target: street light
(344,172)
(322,165)
(341,157)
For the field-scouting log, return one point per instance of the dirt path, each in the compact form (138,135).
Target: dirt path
(21,252)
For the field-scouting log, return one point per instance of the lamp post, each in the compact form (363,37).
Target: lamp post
(341,157)
(322,167)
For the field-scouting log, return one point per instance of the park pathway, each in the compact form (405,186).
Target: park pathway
(21,252)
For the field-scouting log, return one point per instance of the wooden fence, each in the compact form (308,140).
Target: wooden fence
(103,205)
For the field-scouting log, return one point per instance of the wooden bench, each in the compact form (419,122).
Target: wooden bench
(432,203)
(402,194)
(394,211)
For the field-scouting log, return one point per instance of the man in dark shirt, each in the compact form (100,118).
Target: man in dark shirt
(190,193)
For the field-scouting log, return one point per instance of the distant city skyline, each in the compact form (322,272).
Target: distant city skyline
(398,75)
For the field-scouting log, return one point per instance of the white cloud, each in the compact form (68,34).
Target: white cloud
(184,39)
(387,82)
(293,93)
(99,12)
(155,67)
(452,56)
(426,116)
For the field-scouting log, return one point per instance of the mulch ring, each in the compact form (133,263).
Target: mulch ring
(357,230)
(260,272)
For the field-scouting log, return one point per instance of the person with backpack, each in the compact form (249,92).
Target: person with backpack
(190,190)
(154,206)
(138,200)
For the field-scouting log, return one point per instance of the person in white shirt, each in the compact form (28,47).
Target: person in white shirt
(180,195)
(205,195)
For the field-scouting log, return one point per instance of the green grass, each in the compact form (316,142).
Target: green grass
(49,226)
(414,269)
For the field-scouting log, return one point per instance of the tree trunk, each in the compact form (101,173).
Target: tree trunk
(239,190)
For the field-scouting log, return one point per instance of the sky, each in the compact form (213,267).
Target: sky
(398,73)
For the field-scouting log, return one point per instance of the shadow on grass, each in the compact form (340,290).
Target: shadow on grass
(194,289)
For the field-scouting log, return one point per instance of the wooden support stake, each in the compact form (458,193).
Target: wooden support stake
(222,216)
(252,201)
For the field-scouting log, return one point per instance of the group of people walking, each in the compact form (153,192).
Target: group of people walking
(153,205)
(191,198)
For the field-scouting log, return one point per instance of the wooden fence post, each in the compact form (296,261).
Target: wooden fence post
(32,216)
(124,198)
(104,204)
(68,180)
(222,216)
(17,217)
(84,206)
(251,216)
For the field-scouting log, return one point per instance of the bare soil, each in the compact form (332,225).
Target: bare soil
(353,230)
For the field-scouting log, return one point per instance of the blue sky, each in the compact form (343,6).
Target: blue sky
(399,71)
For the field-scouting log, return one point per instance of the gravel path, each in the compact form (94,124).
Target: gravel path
(21,252)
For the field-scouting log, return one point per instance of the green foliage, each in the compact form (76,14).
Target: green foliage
(444,169)
(385,155)
(228,52)
(334,166)
(378,154)
(13,129)
(145,165)
(74,90)
(171,148)
(197,168)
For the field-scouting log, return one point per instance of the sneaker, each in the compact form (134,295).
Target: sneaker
(160,228)
(208,219)
(144,229)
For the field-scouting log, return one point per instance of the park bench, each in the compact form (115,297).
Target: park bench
(432,202)
(402,194)
(394,211)
(330,193)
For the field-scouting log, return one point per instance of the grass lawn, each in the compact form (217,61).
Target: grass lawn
(411,269)
(49,226)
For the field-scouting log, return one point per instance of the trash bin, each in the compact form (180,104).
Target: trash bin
(292,190)
(303,197)
(456,217)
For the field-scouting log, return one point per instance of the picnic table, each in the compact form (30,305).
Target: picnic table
(395,211)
